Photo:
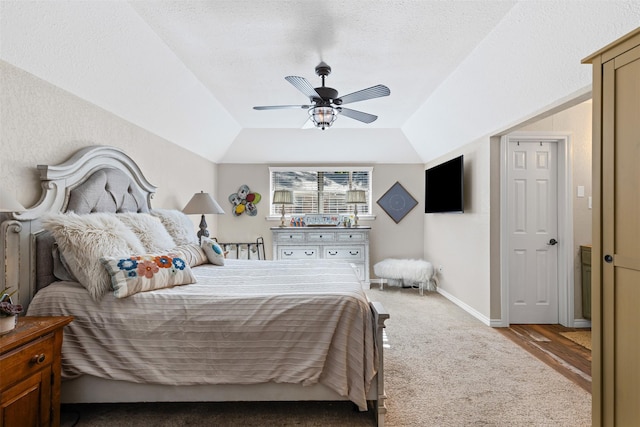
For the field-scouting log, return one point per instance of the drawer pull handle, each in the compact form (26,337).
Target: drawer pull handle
(38,359)
(333,253)
(308,253)
(354,253)
(287,253)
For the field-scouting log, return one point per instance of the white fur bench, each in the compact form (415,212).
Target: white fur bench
(408,272)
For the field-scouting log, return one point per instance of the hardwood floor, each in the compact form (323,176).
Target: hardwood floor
(545,342)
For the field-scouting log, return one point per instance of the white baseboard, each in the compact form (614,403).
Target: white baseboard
(581,323)
(466,307)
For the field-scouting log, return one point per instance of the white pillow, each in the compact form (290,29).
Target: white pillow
(149,230)
(141,273)
(84,239)
(214,251)
(178,225)
(193,254)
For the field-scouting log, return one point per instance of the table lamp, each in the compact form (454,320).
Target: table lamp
(8,203)
(200,204)
(282,197)
(356,197)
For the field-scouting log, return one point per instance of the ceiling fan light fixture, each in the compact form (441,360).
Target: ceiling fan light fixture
(323,117)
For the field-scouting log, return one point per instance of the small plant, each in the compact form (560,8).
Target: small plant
(7,307)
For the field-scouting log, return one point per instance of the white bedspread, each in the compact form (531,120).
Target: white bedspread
(246,322)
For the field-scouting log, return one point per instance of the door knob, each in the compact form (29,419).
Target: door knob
(552,242)
(608,258)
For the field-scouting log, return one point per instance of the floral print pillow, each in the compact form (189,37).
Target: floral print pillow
(141,273)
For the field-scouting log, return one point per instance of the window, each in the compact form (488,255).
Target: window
(320,190)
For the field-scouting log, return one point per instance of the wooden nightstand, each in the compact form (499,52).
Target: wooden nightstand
(30,372)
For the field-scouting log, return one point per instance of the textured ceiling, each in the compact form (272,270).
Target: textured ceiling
(190,71)
(242,50)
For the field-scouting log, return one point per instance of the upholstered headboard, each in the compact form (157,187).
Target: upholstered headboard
(95,179)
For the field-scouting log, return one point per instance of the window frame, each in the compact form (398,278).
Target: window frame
(274,213)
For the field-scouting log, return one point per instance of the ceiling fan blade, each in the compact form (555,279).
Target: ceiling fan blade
(303,86)
(358,115)
(364,94)
(282,107)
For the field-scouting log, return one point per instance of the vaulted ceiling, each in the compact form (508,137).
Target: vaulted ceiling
(191,71)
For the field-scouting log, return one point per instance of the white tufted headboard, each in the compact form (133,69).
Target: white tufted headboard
(95,179)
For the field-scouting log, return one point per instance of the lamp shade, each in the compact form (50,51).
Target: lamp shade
(356,196)
(282,197)
(202,203)
(8,203)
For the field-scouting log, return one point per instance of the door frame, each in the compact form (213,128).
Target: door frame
(566,286)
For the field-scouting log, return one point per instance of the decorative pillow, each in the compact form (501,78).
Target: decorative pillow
(178,225)
(214,251)
(141,273)
(193,254)
(61,269)
(84,239)
(149,230)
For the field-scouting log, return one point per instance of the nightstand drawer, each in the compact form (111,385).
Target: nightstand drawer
(346,253)
(298,253)
(26,360)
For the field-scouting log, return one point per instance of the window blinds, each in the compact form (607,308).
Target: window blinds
(320,191)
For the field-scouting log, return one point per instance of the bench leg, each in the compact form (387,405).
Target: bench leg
(381,284)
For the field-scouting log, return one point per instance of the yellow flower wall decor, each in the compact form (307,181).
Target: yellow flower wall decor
(245,201)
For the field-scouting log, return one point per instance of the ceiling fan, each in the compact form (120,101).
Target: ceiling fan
(325,104)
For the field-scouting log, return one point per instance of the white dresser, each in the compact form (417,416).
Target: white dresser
(350,244)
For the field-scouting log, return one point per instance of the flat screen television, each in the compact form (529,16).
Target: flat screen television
(444,187)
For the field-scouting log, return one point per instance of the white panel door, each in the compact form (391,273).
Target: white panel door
(533,227)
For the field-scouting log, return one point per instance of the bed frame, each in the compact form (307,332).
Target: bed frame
(26,251)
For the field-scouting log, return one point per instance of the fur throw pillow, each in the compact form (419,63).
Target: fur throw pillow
(178,225)
(84,239)
(149,230)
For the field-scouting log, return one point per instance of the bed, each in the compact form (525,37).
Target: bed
(244,330)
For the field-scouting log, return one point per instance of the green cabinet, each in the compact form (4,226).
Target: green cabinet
(585,261)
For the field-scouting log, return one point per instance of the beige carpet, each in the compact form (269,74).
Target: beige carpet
(443,368)
(582,338)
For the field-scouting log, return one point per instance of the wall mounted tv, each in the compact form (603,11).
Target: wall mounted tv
(444,187)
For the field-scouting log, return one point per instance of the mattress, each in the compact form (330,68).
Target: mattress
(246,322)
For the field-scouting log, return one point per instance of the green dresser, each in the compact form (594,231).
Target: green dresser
(585,261)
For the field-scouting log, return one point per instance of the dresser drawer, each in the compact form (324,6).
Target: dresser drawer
(354,236)
(291,237)
(26,360)
(321,237)
(354,253)
(296,252)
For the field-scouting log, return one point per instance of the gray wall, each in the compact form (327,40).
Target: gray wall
(42,124)
(387,239)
